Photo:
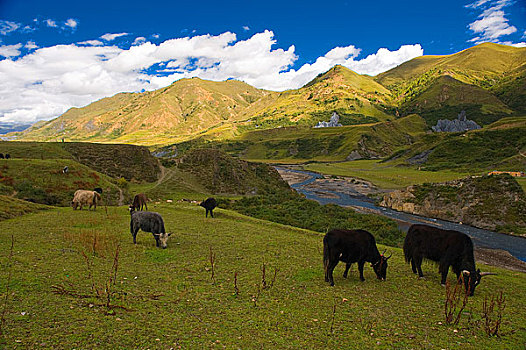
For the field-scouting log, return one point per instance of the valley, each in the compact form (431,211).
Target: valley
(252,277)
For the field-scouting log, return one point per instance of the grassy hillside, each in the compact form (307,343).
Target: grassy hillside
(11,207)
(42,181)
(168,298)
(300,144)
(499,147)
(445,97)
(484,80)
(358,99)
(128,161)
(187,106)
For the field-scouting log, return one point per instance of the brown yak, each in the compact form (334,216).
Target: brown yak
(139,201)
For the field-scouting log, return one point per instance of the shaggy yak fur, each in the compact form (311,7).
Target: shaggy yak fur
(448,248)
(85,197)
(148,222)
(139,201)
(209,204)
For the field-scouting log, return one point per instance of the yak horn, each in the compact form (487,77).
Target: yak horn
(466,272)
(383,252)
(487,273)
(389,256)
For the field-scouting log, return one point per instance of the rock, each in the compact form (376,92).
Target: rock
(334,122)
(487,202)
(460,124)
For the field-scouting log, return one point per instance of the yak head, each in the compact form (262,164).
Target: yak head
(472,280)
(161,239)
(131,208)
(380,267)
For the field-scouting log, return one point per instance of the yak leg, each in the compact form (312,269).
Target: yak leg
(206,215)
(145,205)
(360,268)
(418,262)
(211,213)
(443,269)
(133,231)
(157,243)
(347,267)
(330,269)
(413,266)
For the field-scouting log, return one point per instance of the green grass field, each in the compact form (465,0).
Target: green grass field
(383,175)
(162,299)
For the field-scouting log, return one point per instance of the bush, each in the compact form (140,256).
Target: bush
(290,208)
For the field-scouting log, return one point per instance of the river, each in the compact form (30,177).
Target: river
(515,245)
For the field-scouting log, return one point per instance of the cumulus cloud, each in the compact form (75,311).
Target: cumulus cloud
(10,50)
(112,36)
(30,45)
(91,43)
(45,82)
(72,23)
(246,28)
(51,23)
(139,40)
(492,23)
(8,27)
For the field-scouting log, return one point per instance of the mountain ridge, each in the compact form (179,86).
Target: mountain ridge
(437,87)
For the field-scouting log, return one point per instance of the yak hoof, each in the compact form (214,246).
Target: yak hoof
(443,284)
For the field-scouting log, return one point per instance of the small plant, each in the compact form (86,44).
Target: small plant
(236,288)
(493,318)
(122,183)
(456,300)
(212,258)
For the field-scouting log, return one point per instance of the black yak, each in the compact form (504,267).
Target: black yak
(148,222)
(209,204)
(352,246)
(448,248)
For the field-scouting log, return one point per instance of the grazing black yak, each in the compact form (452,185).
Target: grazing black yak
(209,204)
(448,248)
(148,222)
(352,246)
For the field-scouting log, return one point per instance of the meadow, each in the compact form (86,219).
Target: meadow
(74,279)
(384,175)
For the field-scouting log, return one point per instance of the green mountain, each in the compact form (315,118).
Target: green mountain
(358,99)
(187,107)
(487,81)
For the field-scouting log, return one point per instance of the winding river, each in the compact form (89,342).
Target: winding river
(515,245)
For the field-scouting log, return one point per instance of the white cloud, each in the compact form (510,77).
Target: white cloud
(246,28)
(51,23)
(46,82)
(111,37)
(72,23)
(30,45)
(139,40)
(492,23)
(155,36)
(8,27)
(91,43)
(10,50)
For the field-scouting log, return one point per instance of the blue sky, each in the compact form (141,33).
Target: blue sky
(59,54)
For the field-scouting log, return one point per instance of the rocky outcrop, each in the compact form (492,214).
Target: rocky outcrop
(460,124)
(495,202)
(334,122)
